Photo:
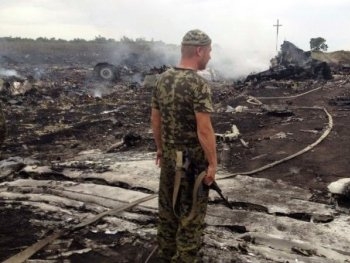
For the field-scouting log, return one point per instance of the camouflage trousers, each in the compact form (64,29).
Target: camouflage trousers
(180,240)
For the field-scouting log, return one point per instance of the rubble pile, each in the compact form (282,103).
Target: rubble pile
(70,111)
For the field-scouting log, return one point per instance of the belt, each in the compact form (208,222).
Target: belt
(180,169)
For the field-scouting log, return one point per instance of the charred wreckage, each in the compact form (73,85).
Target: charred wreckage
(133,67)
(91,161)
(294,63)
(290,63)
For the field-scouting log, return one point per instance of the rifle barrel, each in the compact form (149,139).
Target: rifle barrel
(215,187)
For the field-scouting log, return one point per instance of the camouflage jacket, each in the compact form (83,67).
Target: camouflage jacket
(178,95)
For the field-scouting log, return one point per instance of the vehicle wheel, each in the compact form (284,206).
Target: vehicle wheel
(105,72)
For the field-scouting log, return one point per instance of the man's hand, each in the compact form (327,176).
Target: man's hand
(159,158)
(210,176)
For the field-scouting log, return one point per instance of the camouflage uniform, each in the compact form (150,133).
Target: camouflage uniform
(180,93)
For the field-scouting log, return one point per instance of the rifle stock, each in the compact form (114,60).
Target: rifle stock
(215,187)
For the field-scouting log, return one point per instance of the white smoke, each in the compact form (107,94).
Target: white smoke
(38,73)
(234,63)
(137,78)
(97,93)
(9,73)
(152,54)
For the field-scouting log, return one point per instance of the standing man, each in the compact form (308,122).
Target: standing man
(181,123)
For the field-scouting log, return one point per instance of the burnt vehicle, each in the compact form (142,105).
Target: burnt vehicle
(110,72)
(293,63)
(133,62)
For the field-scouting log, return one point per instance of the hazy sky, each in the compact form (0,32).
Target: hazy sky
(243,29)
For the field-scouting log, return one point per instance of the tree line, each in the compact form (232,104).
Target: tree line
(97,39)
(316,44)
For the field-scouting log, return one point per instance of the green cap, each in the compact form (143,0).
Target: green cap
(196,37)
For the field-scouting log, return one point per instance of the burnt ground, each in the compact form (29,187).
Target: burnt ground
(66,111)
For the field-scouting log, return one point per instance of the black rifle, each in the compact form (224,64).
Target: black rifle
(192,170)
(215,187)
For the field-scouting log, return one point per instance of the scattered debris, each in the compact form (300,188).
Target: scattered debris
(78,147)
(277,110)
(340,187)
(229,135)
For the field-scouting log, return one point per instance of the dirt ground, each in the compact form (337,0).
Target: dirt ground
(67,111)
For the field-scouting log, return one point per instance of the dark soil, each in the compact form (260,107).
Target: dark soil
(16,231)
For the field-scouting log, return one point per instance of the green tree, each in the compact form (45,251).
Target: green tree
(100,39)
(42,39)
(78,40)
(125,39)
(318,44)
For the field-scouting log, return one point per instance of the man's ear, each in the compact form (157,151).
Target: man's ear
(199,51)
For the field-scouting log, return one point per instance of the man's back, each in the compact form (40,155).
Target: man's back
(178,95)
